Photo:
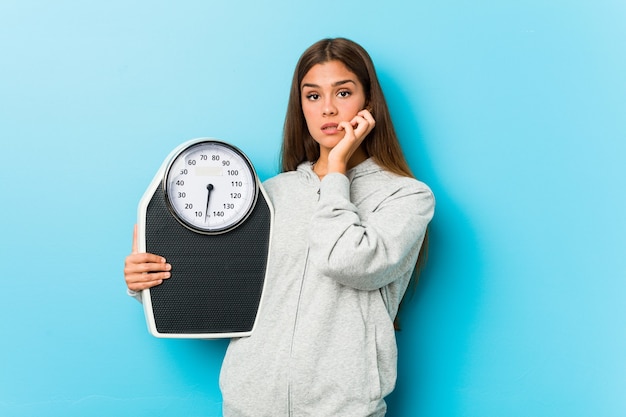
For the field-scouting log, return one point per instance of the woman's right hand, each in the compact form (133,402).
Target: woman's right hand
(144,270)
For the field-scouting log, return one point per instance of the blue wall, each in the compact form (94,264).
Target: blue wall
(513,112)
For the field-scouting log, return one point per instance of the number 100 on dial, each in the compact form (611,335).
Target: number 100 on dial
(210,186)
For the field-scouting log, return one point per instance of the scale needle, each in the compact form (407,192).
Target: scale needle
(209,187)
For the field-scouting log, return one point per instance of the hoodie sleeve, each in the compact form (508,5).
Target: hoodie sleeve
(369,254)
(137,295)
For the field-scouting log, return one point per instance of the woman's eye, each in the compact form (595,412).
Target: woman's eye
(312,96)
(344,93)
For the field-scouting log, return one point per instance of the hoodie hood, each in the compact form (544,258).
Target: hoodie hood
(305,169)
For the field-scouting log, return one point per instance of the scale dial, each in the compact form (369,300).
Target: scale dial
(210,187)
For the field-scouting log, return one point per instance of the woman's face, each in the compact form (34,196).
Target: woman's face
(330,94)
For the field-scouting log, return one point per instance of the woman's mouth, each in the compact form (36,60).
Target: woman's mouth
(330,128)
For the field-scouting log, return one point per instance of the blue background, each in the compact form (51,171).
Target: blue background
(513,112)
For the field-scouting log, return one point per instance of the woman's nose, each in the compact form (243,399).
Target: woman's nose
(329,108)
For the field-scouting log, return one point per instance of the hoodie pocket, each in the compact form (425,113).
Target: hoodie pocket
(372,355)
(383,354)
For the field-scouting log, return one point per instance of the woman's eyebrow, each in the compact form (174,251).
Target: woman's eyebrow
(335,84)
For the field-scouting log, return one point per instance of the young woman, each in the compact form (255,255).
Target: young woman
(349,223)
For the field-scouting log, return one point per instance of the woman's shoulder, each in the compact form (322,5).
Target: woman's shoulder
(408,192)
(412,184)
(280,179)
(373,175)
(302,173)
(287,184)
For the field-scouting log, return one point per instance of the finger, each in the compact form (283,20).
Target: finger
(139,286)
(364,124)
(148,268)
(367,115)
(348,127)
(149,277)
(360,127)
(134,279)
(357,121)
(145,268)
(364,116)
(134,250)
(351,139)
(144,257)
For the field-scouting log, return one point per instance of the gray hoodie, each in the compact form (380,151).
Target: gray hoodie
(343,250)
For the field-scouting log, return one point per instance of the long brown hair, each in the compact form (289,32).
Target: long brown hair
(381,144)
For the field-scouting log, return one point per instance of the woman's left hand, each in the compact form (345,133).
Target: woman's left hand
(356,130)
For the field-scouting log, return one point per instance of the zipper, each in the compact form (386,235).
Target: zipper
(295,327)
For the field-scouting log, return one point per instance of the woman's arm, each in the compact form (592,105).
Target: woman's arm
(369,254)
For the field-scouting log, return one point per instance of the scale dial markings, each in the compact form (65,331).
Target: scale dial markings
(210,187)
